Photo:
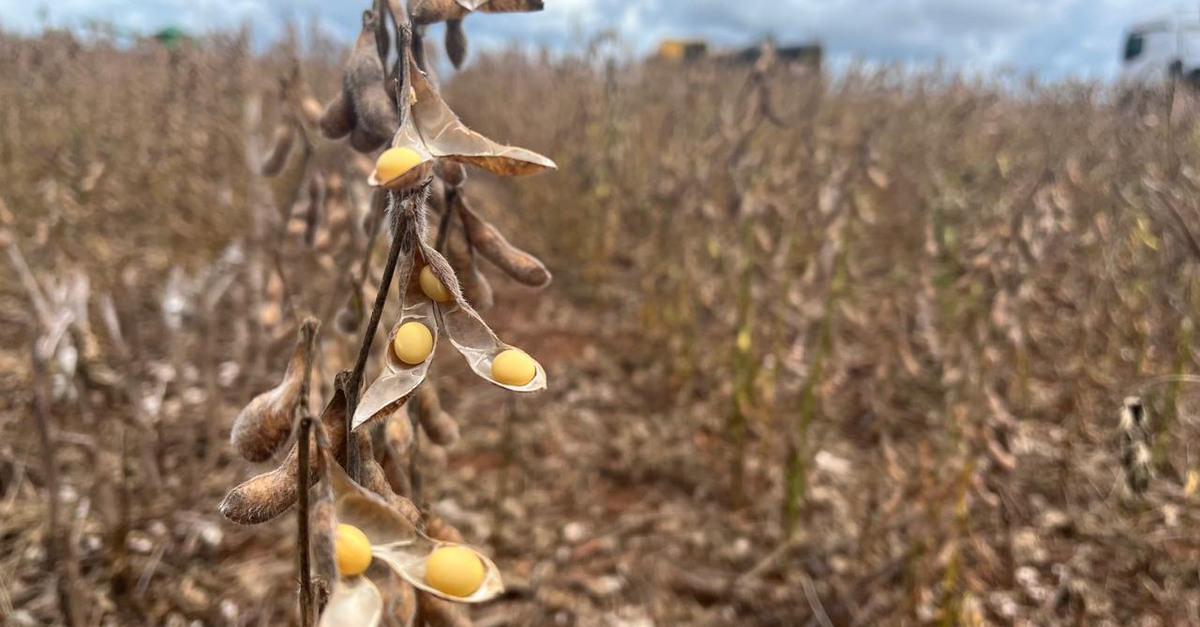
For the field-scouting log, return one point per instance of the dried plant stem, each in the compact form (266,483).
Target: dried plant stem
(58,545)
(307,609)
(797,465)
(350,459)
(307,613)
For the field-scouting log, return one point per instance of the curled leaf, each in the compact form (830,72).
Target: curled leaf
(355,602)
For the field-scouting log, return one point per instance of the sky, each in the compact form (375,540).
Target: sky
(1052,39)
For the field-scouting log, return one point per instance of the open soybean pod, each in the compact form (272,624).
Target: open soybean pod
(266,422)
(266,496)
(490,358)
(410,348)
(363,81)
(417,558)
(489,242)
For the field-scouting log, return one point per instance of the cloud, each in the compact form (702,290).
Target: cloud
(1052,38)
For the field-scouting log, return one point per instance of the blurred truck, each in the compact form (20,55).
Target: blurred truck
(1162,50)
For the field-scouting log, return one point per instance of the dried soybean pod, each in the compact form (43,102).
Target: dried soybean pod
(474,285)
(488,241)
(363,80)
(266,496)
(375,480)
(265,423)
(456,42)
(316,207)
(365,141)
(338,120)
(395,470)
(284,139)
(398,433)
(441,428)
(452,173)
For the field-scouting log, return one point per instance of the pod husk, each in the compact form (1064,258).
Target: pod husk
(489,242)
(265,424)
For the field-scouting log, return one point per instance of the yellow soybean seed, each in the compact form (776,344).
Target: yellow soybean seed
(454,570)
(433,286)
(513,367)
(352,550)
(413,343)
(395,162)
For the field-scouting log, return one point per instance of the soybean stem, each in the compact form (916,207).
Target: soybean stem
(302,541)
(350,459)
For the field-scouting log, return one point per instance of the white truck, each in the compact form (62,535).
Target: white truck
(1161,50)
